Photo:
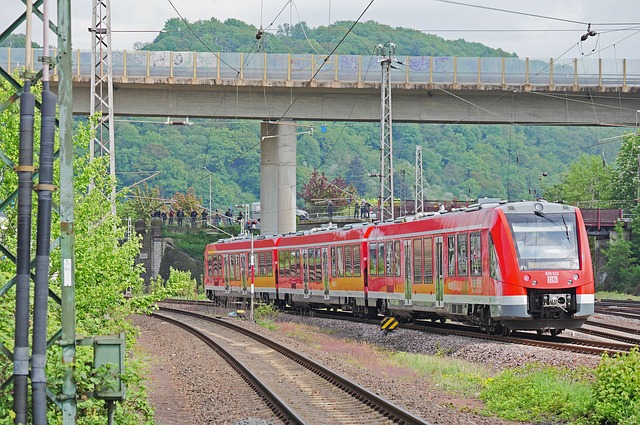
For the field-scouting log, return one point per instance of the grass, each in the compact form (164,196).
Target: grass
(455,376)
(539,394)
(602,295)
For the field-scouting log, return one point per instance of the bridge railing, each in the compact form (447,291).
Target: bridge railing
(583,72)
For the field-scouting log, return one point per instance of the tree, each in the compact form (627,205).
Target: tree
(320,189)
(589,179)
(627,171)
(623,271)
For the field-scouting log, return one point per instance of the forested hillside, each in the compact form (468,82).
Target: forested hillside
(460,161)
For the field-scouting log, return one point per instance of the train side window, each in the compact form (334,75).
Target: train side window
(334,264)
(311,264)
(476,254)
(396,258)
(451,255)
(389,259)
(381,259)
(348,261)
(217,265)
(232,267)
(318,266)
(269,264)
(373,259)
(417,261)
(428,260)
(340,262)
(281,263)
(225,270)
(295,256)
(238,275)
(262,265)
(494,264)
(356,260)
(463,255)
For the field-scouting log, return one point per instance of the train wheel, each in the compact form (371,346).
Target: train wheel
(556,332)
(506,331)
(539,331)
(443,320)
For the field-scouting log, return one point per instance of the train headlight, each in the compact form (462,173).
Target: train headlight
(538,207)
(534,282)
(575,276)
(527,278)
(570,281)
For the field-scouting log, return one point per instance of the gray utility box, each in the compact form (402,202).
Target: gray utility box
(109,350)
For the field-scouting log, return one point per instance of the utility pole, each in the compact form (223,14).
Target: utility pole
(103,143)
(386,54)
(419,198)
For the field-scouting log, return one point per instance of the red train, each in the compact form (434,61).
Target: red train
(500,266)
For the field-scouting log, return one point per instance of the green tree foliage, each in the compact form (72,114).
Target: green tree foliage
(622,268)
(319,190)
(589,182)
(104,268)
(233,35)
(627,171)
(18,41)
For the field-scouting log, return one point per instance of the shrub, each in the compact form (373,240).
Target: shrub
(537,393)
(616,391)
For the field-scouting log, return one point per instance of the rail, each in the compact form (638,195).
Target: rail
(423,71)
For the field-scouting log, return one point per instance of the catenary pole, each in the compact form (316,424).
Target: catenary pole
(67,236)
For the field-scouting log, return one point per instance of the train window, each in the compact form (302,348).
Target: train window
(476,254)
(295,263)
(209,265)
(381,259)
(282,263)
(428,260)
(340,262)
(237,267)
(232,266)
(388,266)
(261,264)
(226,264)
(311,264)
(334,265)
(451,255)
(373,260)
(396,258)
(463,255)
(318,266)
(243,266)
(417,261)
(269,264)
(494,264)
(356,260)
(348,261)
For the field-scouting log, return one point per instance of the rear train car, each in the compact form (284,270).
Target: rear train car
(227,266)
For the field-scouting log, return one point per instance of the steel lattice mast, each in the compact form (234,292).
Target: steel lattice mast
(419,198)
(386,132)
(103,143)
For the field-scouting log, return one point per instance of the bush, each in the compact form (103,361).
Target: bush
(616,391)
(537,393)
(265,315)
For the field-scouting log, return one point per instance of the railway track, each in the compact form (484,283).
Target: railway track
(298,390)
(562,342)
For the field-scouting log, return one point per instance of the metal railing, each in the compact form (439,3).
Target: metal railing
(467,72)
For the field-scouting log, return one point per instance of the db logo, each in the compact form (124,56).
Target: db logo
(552,279)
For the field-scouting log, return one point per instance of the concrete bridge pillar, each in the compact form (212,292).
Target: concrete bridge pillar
(277,177)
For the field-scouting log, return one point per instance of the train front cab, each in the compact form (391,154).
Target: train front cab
(542,253)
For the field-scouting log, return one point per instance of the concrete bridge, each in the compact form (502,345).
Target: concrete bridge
(586,91)
(281,88)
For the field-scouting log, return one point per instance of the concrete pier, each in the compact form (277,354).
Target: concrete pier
(278,177)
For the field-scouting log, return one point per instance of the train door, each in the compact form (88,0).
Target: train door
(305,272)
(325,272)
(227,274)
(243,272)
(439,272)
(408,276)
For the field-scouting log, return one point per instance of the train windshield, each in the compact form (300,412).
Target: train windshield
(545,241)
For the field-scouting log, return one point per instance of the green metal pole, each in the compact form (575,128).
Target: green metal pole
(67,236)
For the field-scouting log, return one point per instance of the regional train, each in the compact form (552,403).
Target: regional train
(501,266)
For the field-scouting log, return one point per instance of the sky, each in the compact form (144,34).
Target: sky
(535,29)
